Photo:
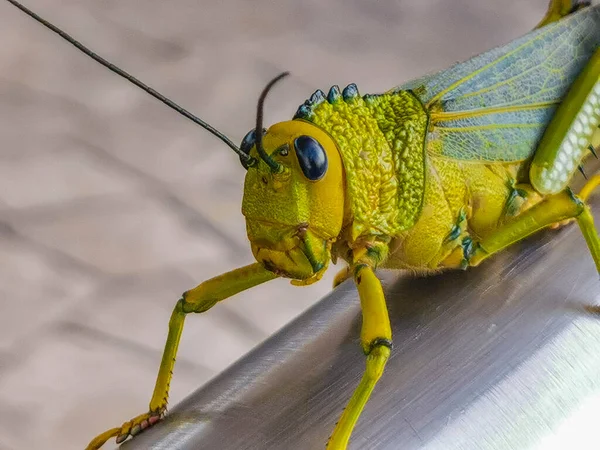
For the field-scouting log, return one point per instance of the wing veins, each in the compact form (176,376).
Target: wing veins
(454,85)
(507,81)
(449,116)
(486,127)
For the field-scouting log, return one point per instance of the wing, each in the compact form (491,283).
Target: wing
(495,106)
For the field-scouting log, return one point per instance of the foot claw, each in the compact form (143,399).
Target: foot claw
(120,438)
(131,428)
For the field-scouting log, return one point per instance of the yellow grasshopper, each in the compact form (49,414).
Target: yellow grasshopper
(439,173)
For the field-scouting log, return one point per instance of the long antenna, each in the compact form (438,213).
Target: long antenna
(248,159)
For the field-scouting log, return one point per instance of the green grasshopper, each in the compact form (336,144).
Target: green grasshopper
(439,173)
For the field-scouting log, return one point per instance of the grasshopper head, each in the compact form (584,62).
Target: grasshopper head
(294,212)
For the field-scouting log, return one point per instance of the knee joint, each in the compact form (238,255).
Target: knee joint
(377,357)
(378,343)
(189,304)
(357,270)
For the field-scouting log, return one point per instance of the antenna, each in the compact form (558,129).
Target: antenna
(274,165)
(246,158)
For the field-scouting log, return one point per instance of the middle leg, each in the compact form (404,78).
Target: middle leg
(553,209)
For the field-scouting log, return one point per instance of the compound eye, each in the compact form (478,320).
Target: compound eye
(311,156)
(247,144)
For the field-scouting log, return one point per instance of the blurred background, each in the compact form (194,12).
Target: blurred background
(112,205)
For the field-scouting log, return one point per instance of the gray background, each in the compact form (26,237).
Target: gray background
(111,205)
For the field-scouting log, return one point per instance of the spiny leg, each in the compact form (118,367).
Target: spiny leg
(553,209)
(584,194)
(594,181)
(376,341)
(569,134)
(197,300)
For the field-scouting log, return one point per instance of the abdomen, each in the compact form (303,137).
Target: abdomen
(461,200)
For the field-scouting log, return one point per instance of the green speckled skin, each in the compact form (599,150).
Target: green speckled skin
(381,140)
(443,161)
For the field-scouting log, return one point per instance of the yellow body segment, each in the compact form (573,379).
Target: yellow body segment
(469,196)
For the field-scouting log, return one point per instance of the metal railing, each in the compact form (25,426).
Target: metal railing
(504,356)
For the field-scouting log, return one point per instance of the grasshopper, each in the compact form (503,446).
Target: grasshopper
(437,174)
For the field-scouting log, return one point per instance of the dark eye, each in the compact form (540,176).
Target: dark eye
(311,156)
(247,144)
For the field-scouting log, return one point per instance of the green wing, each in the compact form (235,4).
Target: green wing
(495,106)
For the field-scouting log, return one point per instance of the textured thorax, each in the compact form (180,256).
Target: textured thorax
(381,141)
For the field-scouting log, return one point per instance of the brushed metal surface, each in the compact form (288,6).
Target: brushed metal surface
(504,356)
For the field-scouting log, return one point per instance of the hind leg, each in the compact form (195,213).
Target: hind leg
(557,9)
(570,133)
